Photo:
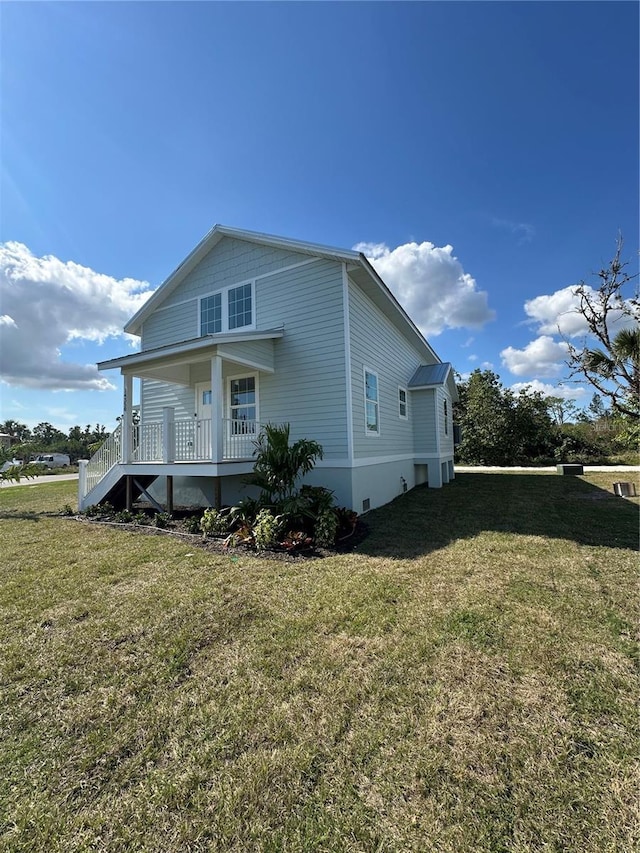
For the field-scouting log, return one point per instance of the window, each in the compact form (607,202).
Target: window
(402,403)
(231,308)
(372,422)
(211,314)
(240,306)
(446,419)
(242,405)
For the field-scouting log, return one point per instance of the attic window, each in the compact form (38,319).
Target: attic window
(227,309)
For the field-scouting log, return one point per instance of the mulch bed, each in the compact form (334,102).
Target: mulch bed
(176,527)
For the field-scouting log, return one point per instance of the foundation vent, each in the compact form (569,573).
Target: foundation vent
(366,504)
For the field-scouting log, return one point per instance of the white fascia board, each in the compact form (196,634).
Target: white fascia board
(187,347)
(288,243)
(208,242)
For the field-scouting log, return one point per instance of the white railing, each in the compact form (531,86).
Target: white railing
(191,442)
(147,442)
(104,459)
(238,438)
(185,440)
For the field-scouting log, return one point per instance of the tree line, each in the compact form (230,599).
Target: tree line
(501,427)
(78,443)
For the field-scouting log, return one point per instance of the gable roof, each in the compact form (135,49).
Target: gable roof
(358,267)
(432,375)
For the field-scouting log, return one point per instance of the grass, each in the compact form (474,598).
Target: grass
(465,681)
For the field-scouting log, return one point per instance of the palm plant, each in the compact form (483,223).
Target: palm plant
(279,465)
(621,361)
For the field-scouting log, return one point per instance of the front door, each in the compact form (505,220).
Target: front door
(202,442)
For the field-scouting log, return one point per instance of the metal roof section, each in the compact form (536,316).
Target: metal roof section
(432,375)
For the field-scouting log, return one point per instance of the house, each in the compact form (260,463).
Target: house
(253,329)
(6,440)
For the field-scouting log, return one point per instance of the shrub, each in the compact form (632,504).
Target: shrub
(192,524)
(326,528)
(266,530)
(162,520)
(347,519)
(123,517)
(245,512)
(214,523)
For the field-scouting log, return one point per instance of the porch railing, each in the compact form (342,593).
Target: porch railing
(190,440)
(173,441)
(104,459)
(146,444)
(238,438)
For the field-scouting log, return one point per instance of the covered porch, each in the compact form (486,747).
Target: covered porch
(201,413)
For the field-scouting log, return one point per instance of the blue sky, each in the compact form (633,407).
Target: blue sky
(505,131)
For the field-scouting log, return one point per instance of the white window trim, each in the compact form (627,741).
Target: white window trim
(366,370)
(406,403)
(224,291)
(245,375)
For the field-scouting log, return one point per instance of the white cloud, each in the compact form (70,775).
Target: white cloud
(472,358)
(558,312)
(541,357)
(522,230)
(565,392)
(49,302)
(431,285)
(487,365)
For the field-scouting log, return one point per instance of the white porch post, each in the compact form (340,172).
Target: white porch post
(168,434)
(82,481)
(127,424)
(217,408)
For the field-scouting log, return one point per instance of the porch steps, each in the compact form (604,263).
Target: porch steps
(113,488)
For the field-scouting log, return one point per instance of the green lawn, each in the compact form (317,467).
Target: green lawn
(465,681)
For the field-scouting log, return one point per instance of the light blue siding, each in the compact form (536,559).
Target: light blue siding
(231,262)
(156,395)
(424,421)
(165,326)
(378,346)
(308,388)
